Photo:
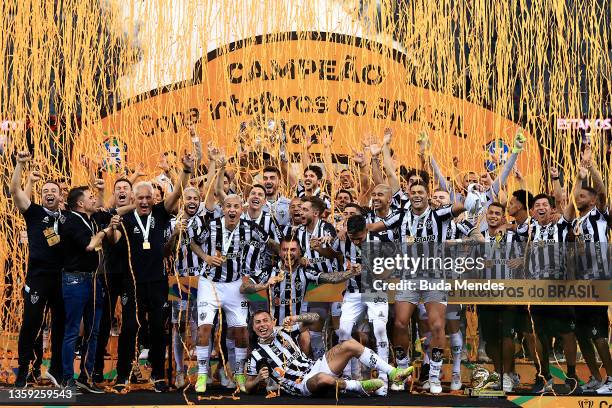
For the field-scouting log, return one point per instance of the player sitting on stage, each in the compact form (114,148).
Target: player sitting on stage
(276,355)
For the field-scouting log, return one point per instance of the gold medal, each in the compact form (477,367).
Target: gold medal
(410,239)
(146,245)
(51,236)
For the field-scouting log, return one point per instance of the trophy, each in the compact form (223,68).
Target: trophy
(484,384)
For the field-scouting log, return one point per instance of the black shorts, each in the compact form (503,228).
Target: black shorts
(499,321)
(553,320)
(592,322)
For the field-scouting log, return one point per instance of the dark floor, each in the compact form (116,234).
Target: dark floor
(148,397)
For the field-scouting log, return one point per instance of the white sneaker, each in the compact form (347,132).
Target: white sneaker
(426,385)
(606,387)
(397,386)
(144,354)
(456,382)
(592,385)
(179,381)
(382,391)
(482,356)
(225,381)
(507,383)
(435,386)
(49,377)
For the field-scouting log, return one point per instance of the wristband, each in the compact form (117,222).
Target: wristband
(555,178)
(186,171)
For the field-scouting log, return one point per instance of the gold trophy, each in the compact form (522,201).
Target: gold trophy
(484,384)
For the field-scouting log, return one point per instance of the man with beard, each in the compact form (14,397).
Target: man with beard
(591,232)
(43,286)
(277,356)
(353,306)
(81,286)
(144,230)
(289,280)
(227,245)
(458,230)
(181,232)
(316,237)
(547,261)
(500,323)
(489,193)
(115,273)
(519,207)
(400,197)
(426,226)
(311,185)
(264,220)
(276,204)
(343,197)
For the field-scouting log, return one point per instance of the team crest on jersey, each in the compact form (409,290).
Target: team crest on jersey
(202,316)
(46,219)
(34,298)
(136,230)
(124,300)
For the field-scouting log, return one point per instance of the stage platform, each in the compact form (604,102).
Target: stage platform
(219,397)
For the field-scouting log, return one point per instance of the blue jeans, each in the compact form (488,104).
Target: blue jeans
(83,300)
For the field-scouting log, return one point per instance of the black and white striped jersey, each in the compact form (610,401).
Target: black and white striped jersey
(431,226)
(547,259)
(400,201)
(267,224)
(352,256)
(523,229)
(459,230)
(186,262)
(240,247)
(424,234)
(279,210)
(286,362)
(592,255)
(389,235)
(204,212)
(300,191)
(290,230)
(499,249)
(317,261)
(288,294)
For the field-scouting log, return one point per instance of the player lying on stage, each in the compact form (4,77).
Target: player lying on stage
(277,356)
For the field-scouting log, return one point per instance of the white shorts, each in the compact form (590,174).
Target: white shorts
(425,296)
(213,296)
(353,306)
(320,366)
(453,312)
